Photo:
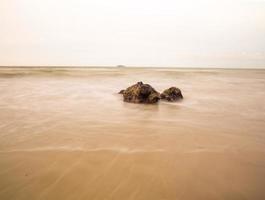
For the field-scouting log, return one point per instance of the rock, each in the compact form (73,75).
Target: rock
(121,92)
(121,66)
(171,94)
(141,93)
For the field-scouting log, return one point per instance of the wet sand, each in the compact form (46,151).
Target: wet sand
(67,134)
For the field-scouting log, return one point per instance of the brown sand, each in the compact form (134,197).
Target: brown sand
(66,134)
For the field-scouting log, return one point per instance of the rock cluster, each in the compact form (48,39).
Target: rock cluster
(145,93)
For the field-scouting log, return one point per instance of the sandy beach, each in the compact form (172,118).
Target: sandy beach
(66,134)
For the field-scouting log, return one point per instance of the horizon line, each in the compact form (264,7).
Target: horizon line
(121,67)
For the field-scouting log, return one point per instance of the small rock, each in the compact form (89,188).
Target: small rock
(121,92)
(171,94)
(120,66)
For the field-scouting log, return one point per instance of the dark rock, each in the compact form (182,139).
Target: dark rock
(141,93)
(171,94)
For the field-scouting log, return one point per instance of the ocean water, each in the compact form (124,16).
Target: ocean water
(65,133)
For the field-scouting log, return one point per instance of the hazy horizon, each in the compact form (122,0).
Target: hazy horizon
(171,33)
(143,67)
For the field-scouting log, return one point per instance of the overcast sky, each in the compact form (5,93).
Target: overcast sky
(180,33)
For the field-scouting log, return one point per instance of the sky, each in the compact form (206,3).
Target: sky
(159,33)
